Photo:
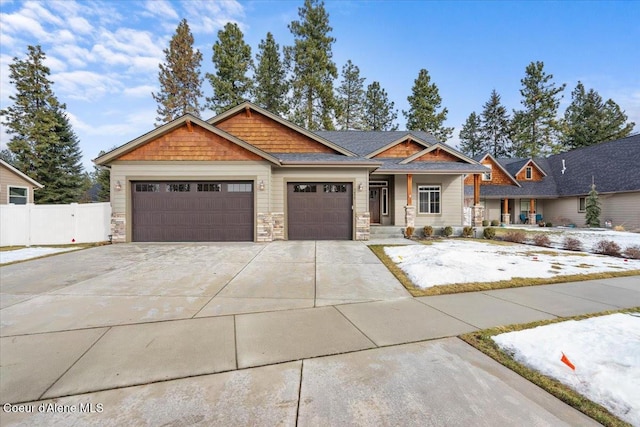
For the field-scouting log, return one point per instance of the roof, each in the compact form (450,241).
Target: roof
(390,165)
(363,142)
(323,158)
(21,175)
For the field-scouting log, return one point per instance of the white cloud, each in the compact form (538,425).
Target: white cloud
(55,65)
(208,17)
(84,85)
(18,24)
(160,8)
(80,25)
(75,55)
(140,91)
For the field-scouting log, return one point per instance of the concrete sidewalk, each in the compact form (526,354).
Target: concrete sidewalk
(385,362)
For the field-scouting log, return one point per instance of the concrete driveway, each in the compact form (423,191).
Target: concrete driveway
(290,333)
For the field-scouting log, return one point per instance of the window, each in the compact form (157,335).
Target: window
(304,188)
(429,199)
(239,188)
(524,205)
(18,195)
(178,188)
(528,172)
(147,188)
(487,175)
(209,187)
(335,188)
(385,201)
(582,204)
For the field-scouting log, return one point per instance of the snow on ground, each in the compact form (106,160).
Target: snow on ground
(462,261)
(28,253)
(604,350)
(588,237)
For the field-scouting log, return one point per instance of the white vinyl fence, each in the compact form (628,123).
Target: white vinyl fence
(26,225)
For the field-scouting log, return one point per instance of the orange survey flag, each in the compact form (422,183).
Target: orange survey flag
(564,359)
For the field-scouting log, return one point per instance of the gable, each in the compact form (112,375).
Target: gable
(438,155)
(401,150)
(498,175)
(536,173)
(269,135)
(190,143)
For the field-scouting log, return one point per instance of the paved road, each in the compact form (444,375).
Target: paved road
(286,333)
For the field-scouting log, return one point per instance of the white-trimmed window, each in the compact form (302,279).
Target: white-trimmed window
(487,175)
(384,199)
(582,204)
(18,195)
(429,199)
(528,172)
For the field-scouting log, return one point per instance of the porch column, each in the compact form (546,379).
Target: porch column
(532,211)
(505,212)
(478,211)
(409,209)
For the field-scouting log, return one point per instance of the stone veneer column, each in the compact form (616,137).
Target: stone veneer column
(264,227)
(277,219)
(118,228)
(478,215)
(410,216)
(363,226)
(506,218)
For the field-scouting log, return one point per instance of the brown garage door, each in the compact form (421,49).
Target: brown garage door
(192,211)
(319,211)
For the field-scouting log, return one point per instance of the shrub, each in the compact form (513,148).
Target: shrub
(618,228)
(572,244)
(549,224)
(515,236)
(541,224)
(428,231)
(408,232)
(467,231)
(607,247)
(541,240)
(485,222)
(632,252)
(447,231)
(495,223)
(489,233)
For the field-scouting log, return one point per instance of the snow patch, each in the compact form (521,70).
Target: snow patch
(28,253)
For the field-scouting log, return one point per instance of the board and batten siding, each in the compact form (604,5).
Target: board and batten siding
(452,200)
(7,179)
(127,171)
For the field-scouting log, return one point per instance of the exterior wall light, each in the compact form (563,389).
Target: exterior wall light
(118,186)
(261,185)
(361,187)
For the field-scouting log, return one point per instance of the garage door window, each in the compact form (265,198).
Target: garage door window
(304,188)
(178,188)
(239,188)
(335,188)
(147,188)
(209,187)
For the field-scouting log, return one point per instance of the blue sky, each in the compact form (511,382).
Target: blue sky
(104,55)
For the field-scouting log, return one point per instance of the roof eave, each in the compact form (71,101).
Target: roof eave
(22,175)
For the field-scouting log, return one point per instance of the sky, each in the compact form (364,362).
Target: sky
(104,55)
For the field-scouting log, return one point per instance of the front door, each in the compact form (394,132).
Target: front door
(374,205)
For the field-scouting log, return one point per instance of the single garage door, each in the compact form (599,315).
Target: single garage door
(203,211)
(319,211)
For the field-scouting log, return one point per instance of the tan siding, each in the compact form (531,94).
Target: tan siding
(621,209)
(269,135)
(451,200)
(8,178)
(401,150)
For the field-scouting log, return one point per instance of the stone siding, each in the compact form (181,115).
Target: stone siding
(363,226)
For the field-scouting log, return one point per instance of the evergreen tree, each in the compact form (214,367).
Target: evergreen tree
(495,127)
(271,86)
(378,110)
(535,128)
(471,142)
(592,208)
(102,177)
(588,120)
(179,77)
(351,98)
(313,100)
(42,140)
(424,104)
(232,60)
(8,156)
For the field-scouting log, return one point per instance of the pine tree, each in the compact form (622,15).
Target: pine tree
(8,156)
(424,103)
(495,127)
(179,77)
(588,120)
(42,140)
(471,142)
(271,87)
(378,110)
(592,208)
(232,60)
(535,129)
(313,99)
(351,98)
(102,177)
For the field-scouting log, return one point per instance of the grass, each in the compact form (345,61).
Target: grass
(515,282)
(482,340)
(79,246)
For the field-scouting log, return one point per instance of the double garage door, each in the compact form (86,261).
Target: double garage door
(202,211)
(215,211)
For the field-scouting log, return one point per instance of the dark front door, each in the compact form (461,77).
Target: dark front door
(199,211)
(374,205)
(319,211)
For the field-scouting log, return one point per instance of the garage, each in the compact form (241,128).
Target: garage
(192,211)
(319,211)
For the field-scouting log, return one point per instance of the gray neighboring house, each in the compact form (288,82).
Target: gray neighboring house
(554,189)
(16,187)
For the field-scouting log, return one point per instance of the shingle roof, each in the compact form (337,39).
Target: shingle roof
(366,142)
(394,164)
(322,158)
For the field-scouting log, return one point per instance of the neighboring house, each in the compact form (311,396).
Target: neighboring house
(15,186)
(249,175)
(554,189)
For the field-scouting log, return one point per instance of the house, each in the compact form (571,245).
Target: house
(249,175)
(15,186)
(554,189)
